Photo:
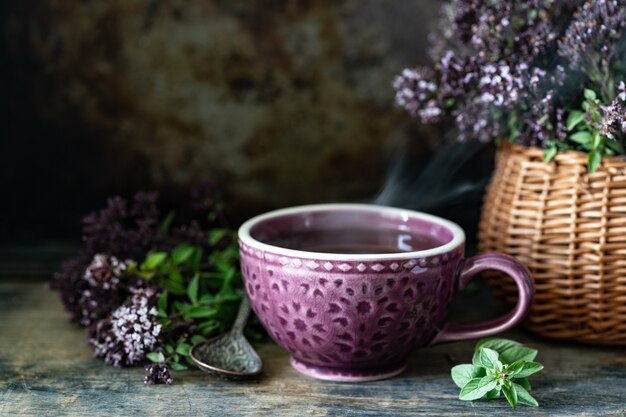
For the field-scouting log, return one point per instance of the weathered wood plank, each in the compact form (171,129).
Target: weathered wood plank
(47,369)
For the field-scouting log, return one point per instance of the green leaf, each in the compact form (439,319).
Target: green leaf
(476,388)
(615,146)
(549,153)
(574,118)
(528,369)
(216,235)
(195,259)
(176,276)
(494,393)
(461,374)
(190,361)
(595,157)
(523,396)
(208,327)
(195,339)
(192,289)
(514,368)
(162,304)
(167,222)
(201,312)
(597,140)
(182,253)
(590,94)
(518,353)
(177,366)
(488,358)
(510,392)
(206,299)
(497,344)
(583,137)
(153,260)
(183,349)
(523,382)
(156,357)
(169,349)
(174,287)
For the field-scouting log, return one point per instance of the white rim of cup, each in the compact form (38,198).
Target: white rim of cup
(458,235)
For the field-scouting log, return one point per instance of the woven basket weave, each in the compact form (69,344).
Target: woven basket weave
(569,228)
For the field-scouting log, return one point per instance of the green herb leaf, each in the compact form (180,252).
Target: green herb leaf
(494,393)
(595,157)
(510,392)
(523,382)
(196,257)
(167,222)
(162,304)
(192,289)
(183,349)
(195,339)
(497,344)
(174,287)
(574,119)
(528,369)
(154,259)
(583,137)
(523,396)
(216,235)
(514,368)
(201,312)
(461,374)
(476,388)
(549,153)
(208,327)
(182,253)
(487,358)
(590,94)
(177,366)
(518,353)
(597,140)
(499,366)
(156,357)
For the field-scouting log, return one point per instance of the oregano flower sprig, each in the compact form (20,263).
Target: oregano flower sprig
(537,73)
(499,367)
(148,286)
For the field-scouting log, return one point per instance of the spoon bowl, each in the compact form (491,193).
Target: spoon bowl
(229,356)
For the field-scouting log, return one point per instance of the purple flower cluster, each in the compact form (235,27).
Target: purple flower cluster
(590,39)
(102,293)
(131,332)
(613,120)
(157,374)
(122,229)
(89,285)
(415,91)
(513,69)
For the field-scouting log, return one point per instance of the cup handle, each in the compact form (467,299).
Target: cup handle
(472,266)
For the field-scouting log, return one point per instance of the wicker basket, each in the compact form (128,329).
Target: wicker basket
(569,228)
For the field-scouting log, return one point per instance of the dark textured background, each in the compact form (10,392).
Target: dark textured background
(279,102)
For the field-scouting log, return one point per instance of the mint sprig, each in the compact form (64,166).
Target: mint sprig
(499,367)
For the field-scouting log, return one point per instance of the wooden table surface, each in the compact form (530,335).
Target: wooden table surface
(47,369)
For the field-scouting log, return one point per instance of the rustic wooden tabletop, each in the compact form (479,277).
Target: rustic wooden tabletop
(47,369)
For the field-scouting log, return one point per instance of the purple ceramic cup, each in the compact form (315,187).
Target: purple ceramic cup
(357,316)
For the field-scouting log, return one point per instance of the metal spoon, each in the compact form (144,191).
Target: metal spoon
(229,356)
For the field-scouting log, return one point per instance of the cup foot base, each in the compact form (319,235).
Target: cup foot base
(345,375)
